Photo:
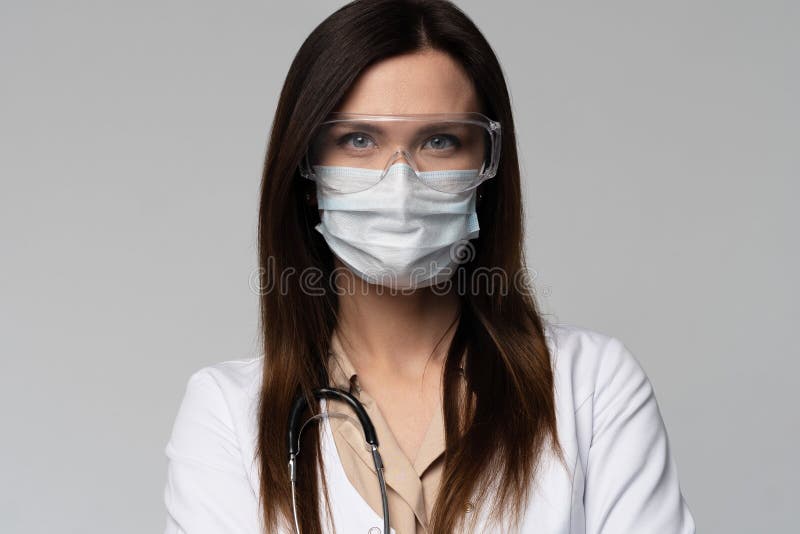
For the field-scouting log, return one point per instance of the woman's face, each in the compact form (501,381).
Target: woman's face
(428,81)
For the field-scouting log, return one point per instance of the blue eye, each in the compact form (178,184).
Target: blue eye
(441,142)
(359,141)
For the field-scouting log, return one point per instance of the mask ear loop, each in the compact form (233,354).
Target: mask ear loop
(304,168)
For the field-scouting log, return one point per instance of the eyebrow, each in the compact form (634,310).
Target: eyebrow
(371,127)
(364,126)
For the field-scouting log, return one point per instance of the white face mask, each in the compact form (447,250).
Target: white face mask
(398,233)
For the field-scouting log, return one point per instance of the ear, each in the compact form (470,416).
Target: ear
(310,196)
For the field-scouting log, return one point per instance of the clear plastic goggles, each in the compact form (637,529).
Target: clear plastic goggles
(449,152)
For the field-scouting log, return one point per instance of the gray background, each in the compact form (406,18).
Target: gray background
(660,151)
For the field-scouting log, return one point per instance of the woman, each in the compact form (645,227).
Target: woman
(390,238)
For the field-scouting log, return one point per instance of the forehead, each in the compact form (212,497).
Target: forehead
(422,82)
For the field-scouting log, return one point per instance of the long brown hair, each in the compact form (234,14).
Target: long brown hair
(500,436)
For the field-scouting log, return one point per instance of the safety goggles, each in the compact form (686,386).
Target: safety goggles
(449,152)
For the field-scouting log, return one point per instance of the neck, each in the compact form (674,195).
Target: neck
(386,331)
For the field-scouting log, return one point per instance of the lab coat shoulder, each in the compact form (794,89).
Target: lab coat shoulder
(212,482)
(611,418)
(588,363)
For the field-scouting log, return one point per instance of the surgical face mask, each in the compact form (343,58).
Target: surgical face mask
(399,232)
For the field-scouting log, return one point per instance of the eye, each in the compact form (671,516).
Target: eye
(356,140)
(441,142)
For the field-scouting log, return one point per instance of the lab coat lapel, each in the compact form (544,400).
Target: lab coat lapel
(351,513)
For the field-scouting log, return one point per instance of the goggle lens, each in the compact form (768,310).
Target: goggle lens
(431,147)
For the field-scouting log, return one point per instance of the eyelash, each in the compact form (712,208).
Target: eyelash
(346,138)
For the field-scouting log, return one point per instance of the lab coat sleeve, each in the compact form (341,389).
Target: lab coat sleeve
(207,490)
(631,481)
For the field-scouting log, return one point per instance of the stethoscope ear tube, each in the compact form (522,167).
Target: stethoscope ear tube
(300,405)
(370,436)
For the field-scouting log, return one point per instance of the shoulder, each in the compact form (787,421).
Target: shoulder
(588,363)
(218,408)
(234,378)
(609,419)
(234,383)
(212,473)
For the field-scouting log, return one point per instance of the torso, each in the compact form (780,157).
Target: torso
(588,367)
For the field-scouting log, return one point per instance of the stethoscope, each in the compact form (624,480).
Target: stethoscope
(293,434)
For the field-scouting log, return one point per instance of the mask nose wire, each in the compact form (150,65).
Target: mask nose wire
(398,156)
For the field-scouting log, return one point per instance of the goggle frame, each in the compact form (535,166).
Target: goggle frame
(493,129)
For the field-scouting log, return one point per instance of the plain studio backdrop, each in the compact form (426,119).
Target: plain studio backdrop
(660,147)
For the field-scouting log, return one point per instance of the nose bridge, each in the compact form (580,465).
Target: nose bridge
(400,155)
(401,177)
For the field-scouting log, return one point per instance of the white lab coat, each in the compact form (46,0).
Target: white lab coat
(622,477)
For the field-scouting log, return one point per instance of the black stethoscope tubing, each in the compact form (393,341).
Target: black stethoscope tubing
(295,429)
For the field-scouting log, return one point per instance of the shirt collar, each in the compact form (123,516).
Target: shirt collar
(342,373)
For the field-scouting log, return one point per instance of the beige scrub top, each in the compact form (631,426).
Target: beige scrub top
(411,484)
